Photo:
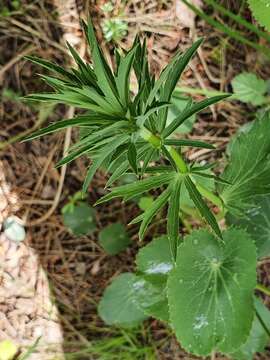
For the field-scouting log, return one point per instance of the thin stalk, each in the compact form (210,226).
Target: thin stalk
(239,19)
(227,30)
(197,91)
(156,142)
(263,289)
(179,161)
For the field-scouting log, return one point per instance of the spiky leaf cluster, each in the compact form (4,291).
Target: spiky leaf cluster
(128,129)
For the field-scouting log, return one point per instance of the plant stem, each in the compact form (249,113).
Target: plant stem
(179,161)
(263,289)
(156,142)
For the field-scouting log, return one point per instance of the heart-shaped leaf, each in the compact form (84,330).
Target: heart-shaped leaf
(210,291)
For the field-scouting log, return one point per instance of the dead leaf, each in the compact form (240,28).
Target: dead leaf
(184,14)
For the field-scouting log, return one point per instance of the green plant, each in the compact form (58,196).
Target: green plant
(248,88)
(260,10)
(114,238)
(202,285)
(78,216)
(114,29)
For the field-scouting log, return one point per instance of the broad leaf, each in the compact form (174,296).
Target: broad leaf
(155,258)
(154,262)
(151,297)
(258,339)
(256,221)
(80,219)
(261,11)
(114,238)
(249,88)
(117,306)
(210,291)
(248,169)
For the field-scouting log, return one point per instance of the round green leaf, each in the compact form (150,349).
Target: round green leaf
(118,305)
(249,88)
(210,291)
(80,219)
(13,230)
(155,258)
(151,297)
(258,338)
(256,221)
(114,238)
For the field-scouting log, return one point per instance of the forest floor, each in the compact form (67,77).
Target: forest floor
(77,267)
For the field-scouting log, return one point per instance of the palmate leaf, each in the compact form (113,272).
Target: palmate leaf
(256,221)
(248,169)
(210,291)
(261,11)
(258,338)
(151,297)
(154,262)
(117,306)
(249,88)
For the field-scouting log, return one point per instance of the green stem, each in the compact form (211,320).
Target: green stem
(263,289)
(156,142)
(179,161)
